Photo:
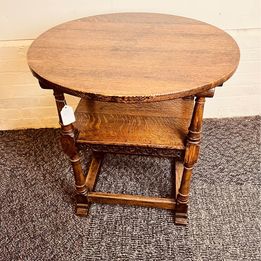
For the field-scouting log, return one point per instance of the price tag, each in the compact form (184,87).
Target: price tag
(67,115)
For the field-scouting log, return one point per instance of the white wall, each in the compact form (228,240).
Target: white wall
(24,104)
(26,19)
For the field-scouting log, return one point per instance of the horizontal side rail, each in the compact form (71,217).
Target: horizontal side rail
(133,200)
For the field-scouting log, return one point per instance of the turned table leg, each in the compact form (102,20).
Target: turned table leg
(191,156)
(70,149)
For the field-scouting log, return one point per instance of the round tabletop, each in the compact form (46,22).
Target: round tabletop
(130,57)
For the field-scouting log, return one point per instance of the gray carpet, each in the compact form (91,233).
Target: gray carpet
(36,201)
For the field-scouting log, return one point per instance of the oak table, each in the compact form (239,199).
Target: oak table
(142,79)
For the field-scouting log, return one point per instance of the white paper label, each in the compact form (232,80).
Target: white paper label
(67,115)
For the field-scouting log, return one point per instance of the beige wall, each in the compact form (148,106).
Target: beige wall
(23,104)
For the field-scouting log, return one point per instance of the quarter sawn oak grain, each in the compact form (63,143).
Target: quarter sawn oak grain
(130,57)
(158,125)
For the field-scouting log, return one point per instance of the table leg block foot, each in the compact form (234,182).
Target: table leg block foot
(181,214)
(82,206)
(181,219)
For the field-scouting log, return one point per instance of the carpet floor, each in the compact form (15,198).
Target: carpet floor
(37,221)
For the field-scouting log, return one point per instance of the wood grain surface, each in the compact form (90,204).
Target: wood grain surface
(129,57)
(157,125)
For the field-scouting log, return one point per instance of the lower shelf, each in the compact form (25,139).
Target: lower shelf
(124,127)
